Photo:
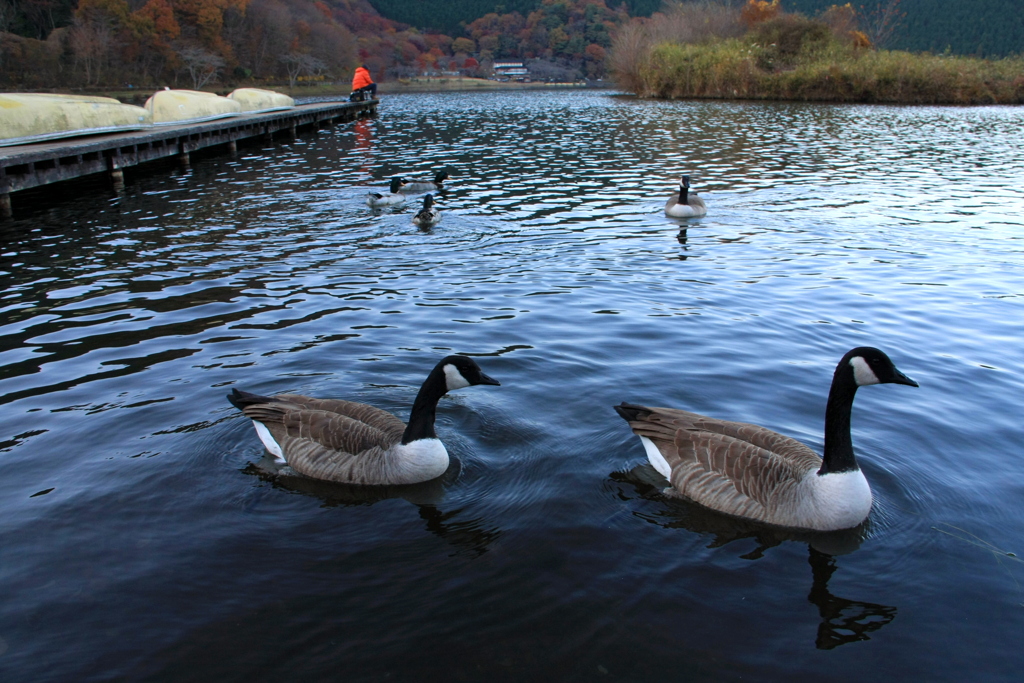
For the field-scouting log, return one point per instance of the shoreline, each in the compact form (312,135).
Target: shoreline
(138,96)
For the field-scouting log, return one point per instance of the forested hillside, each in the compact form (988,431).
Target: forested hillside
(450,15)
(986,28)
(197,43)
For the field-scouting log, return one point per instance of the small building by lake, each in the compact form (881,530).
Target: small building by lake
(511,71)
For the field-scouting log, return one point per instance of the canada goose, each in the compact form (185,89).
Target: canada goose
(417,185)
(428,216)
(393,196)
(354,443)
(685,205)
(749,471)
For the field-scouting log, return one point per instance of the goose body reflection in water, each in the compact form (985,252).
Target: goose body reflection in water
(467,535)
(843,621)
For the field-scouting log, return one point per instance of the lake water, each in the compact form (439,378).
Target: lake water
(139,542)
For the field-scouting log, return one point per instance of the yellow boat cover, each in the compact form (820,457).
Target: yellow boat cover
(189,106)
(37,117)
(257,100)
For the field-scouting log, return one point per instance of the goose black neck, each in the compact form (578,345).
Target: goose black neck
(839,455)
(684,194)
(421,420)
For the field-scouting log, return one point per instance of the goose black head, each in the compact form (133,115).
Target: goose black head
(684,189)
(396,184)
(871,366)
(462,371)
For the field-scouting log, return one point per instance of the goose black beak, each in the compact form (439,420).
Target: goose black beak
(484,379)
(903,379)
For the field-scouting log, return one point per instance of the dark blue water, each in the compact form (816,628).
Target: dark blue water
(139,543)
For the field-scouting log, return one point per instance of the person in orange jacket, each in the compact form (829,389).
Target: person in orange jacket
(362,83)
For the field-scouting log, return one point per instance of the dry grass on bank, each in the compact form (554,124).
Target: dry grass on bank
(794,58)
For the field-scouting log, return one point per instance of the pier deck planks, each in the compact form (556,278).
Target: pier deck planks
(27,166)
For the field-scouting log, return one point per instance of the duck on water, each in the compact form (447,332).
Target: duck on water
(355,443)
(752,472)
(417,185)
(391,197)
(429,215)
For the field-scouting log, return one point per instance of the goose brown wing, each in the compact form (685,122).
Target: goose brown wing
(374,417)
(800,456)
(327,430)
(326,445)
(735,467)
(730,474)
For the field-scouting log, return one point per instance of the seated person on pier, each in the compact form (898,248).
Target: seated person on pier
(363,86)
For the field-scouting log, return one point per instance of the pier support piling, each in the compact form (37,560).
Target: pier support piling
(5,206)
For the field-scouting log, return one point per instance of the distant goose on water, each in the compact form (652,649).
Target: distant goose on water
(417,185)
(685,204)
(428,216)
(354,443)
(749,471)
(392,197)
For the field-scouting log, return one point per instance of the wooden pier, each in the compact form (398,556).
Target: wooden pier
(27,166)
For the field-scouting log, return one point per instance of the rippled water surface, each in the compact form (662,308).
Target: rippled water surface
(139,543)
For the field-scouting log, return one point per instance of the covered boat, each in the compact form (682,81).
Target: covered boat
(37,117)
(189,106)
(257,100)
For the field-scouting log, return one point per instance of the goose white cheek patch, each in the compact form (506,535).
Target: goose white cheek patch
(453,378)
(862,372)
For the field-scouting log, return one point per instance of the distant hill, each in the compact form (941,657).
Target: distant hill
(986,28)
(448,16)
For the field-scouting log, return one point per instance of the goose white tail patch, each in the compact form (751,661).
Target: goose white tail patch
(453,378)
(863,375)
(656,458)
(268,441)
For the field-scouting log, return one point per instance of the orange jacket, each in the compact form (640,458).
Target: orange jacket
(361,79)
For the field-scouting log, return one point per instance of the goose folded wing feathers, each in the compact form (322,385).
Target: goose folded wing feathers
(374,417)
(731,475)
(299,429)
(801,457)
(326,445)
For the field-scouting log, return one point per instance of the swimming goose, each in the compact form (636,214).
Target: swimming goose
(393,196)
(685,205)
(428,216)
(354,443)
(417,185)
(749,471)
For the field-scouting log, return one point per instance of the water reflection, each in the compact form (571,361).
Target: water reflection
(842,621)
(468,535)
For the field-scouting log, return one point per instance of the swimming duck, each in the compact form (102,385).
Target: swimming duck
(428,216)
(417,185)
(393,196)
(749,471)
(685,205)
(354,443)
